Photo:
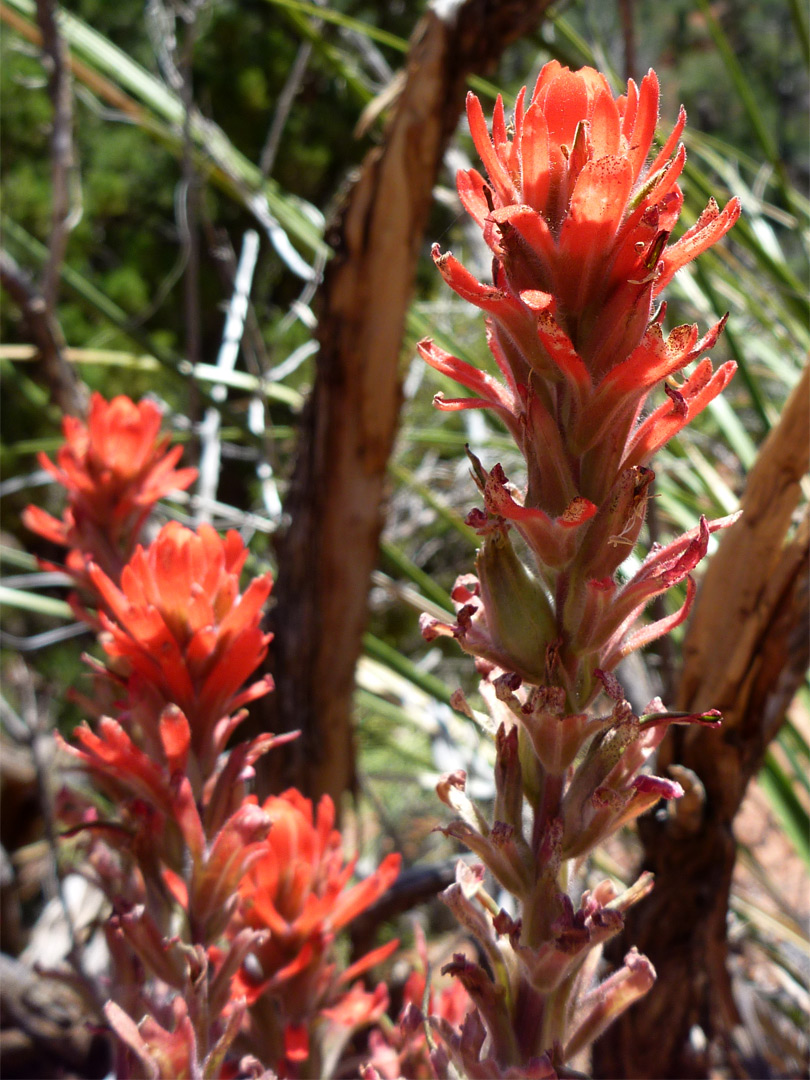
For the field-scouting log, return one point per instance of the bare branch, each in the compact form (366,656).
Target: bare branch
(626,14)
(283,106)
(65,190)
(44,332)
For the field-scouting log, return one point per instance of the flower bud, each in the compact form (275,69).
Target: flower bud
(519,616)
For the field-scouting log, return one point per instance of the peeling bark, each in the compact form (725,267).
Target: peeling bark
(335,500)
(746,653)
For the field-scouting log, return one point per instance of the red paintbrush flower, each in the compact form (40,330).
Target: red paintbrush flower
(299,891)
(166,1053)
(114,469)
(579,224)
(575,209)
(179,632)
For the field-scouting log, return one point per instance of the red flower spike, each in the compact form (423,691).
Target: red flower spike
(296,1042)
(224,791)
(577,160)
(226,963)
(601,1006)
(127,770)
(579,225)
(114,468)
(358,1006)
(552,541)
(164,957)
(700,388)
(609,632)
(217,875)
(579,221)
(180,634)
(175,735)
(297,887)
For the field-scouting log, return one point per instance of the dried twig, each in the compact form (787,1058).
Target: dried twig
(285,99)
(46,335)
(629,36)
(65,188)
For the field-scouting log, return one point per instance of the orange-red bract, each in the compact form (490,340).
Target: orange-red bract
(114,469)
(180,632)
(299,889)
(579,220)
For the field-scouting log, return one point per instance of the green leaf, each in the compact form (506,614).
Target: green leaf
(29,601)
(22,560)
(416,574)
(793,817)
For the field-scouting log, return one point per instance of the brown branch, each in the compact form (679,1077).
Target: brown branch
(747,654)
(626,14)
(44,333)
(327,556)
(56,61)
(37,304)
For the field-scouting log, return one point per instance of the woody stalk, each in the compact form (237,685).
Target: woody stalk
(578,211)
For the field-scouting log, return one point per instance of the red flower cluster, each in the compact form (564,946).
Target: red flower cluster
(298,889)
(579,225)
(179,632)
(404,1050)
(579,221)
(114,469)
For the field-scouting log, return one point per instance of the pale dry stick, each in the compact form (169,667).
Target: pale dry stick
(221,250)
(257,361)
(210,444)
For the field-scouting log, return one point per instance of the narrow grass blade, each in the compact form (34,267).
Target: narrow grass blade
(391,657)
(29,601)
(793,817)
